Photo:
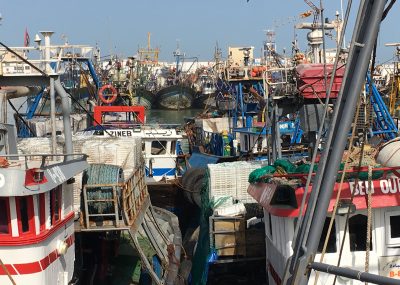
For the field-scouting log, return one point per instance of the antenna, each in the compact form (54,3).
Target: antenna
(316,12)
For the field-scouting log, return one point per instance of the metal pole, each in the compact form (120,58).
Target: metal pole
(362,45)
(47,35)
(341,11)
(354,274)
(273,136)
(66,110)
(53,116)
(278,133)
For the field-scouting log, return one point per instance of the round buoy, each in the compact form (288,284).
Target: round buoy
(107,98)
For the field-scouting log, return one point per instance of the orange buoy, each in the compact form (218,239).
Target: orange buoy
(107,99)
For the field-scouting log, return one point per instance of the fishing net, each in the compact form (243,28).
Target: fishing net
(201,256)
(256,175)
(305,168)
(286,165)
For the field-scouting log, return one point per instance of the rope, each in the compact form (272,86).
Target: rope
(303,201)
(369,219)
(7,272)
(351,201)
(346,167)
(24,60)
(88,113)
(20,117)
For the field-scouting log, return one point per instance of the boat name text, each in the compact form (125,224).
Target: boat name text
(385,186)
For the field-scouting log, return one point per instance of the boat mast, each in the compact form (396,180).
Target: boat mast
(364,37)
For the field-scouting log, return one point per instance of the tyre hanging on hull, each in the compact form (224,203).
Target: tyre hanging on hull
(192,182)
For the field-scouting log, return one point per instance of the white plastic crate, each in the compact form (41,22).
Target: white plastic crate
(222,181)
(231,179)
(242,177)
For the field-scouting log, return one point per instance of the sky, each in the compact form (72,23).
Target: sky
(119,27)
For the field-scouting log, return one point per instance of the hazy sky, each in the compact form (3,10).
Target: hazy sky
(120,26)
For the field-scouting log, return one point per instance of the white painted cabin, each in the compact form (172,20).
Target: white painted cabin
(37,242)
(281,208)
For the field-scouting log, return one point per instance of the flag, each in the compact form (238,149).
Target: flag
(26,38)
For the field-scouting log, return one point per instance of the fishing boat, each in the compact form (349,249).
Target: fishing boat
(327,226)
(175,97)
(52,205)
(142,83)
(176,85)
(37,218)
(205,97)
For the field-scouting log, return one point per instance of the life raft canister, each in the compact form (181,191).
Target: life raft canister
(107,98)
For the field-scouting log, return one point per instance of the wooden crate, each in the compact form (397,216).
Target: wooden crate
(227,235)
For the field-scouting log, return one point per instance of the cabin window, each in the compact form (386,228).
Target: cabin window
(4,216)
(55,205)
(158,147)
(42,213)
(395,226)
(331,246)
(25,215)
(357,233)
(392,224)
(173,147)
(284,197)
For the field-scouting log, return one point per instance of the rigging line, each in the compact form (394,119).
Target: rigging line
(386,11)
(345,168)
(255,141)
(321,11)
(319,135)
(20,117)
(7,272)
(87,113)
(369,219)
(24,60)
(304,223)
(346,225)
(325,114)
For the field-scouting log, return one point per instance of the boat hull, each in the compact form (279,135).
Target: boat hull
(144,98)
(176,97)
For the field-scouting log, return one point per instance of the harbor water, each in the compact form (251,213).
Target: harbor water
(156,116)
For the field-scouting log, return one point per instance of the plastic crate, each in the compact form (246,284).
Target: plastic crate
(242,177)
(222,181)
(231,179)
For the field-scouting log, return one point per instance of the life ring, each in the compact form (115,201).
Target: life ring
(110,98)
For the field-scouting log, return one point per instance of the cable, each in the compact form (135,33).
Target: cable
(90,115)
(20,117)
(24,60)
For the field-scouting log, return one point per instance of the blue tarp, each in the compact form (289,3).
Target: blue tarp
(200,160)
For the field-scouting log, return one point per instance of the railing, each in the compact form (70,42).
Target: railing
(44,157)
(303,176)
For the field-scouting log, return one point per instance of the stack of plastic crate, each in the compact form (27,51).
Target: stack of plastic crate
(231,179)
(222,181)
(243,170)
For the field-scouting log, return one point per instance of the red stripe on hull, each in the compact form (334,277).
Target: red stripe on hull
(37,266)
